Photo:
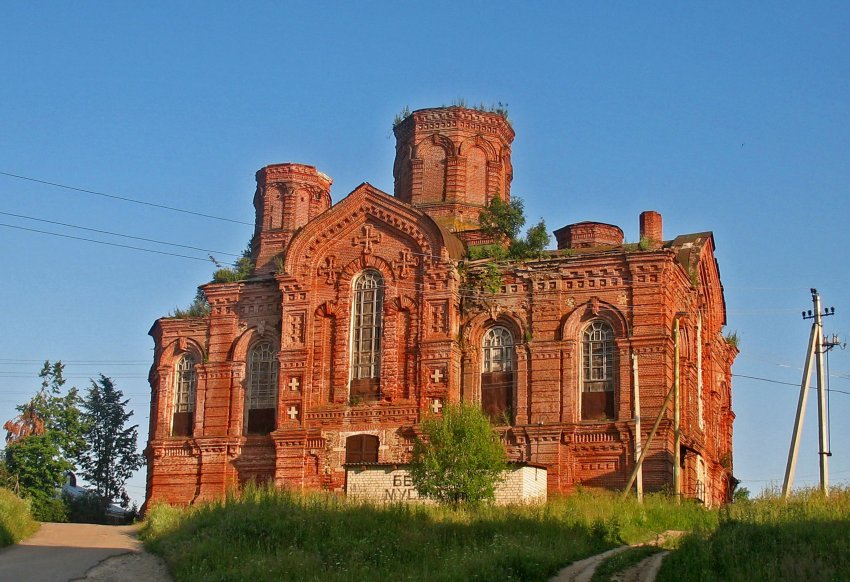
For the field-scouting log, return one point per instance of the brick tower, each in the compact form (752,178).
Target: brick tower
(450,161)
(288,197)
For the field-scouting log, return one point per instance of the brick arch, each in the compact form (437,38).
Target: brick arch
(486,146)
(172,352)
(360,264)
(438,140)
(573,324)
(402,303)
(242,344)
(316,239)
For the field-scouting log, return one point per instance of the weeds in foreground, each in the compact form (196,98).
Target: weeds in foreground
(268,534)
(769,539)
(16,521)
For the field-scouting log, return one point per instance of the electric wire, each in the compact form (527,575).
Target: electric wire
(104,242)
(124,198)
(151,240)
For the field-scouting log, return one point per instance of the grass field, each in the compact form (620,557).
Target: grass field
(279,535)
(267,534)
(16,520)
(768,539)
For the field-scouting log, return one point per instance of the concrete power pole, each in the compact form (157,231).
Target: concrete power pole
(815,352)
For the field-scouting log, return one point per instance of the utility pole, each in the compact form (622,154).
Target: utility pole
(815,352)
(677,432)
(638,444)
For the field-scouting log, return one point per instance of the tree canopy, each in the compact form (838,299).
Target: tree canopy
(459,459)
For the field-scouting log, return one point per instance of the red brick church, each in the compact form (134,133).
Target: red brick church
(362,317)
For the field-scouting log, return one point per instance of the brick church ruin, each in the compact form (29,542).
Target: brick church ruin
(362,317)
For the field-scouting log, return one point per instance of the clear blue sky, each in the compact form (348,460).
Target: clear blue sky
(722,117)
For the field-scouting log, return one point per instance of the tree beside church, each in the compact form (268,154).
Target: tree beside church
(360,318)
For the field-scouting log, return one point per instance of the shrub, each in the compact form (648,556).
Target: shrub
(460,459)
(16,521)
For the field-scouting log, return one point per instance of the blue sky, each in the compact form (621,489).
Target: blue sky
(722,117)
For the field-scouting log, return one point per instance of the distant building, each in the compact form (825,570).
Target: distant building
(363,317)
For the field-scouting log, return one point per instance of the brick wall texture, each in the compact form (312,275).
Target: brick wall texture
(370,319)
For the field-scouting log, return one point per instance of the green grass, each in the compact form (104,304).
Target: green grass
(16,520)
(280,535)
(806,538)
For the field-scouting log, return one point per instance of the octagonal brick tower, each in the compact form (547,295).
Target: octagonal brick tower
(450,161)
(288,197)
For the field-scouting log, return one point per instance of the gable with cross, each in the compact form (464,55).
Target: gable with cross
(366,238)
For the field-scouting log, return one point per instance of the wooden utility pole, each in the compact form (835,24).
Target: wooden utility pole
(677,433)
(815,352)
(636,384)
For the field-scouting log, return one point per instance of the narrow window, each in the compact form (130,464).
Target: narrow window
(261,396)
(597,372)
(184,397)
(366,323)
(497,374)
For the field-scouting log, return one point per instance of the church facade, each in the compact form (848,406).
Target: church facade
(361,318)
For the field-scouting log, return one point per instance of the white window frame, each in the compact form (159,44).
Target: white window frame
(367,318)
(497,353)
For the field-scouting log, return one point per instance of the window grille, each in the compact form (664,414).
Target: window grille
(367,319)
(262,377)
(498,350)
(184,385)
(598,358)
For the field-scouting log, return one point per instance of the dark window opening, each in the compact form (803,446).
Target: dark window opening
(361,448)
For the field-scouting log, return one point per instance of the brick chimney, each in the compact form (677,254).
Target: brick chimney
(651,229)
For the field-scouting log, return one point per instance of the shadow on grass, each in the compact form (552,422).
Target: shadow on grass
(284,536)
(807,549)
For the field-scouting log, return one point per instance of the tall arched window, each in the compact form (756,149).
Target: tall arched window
(184,397)
(497,374)
(366,326)
(261,393)
(597,371)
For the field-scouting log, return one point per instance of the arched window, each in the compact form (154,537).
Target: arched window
(597,371)
(366,327)
(261,393)
(497,374)
(361,448)
(184,397)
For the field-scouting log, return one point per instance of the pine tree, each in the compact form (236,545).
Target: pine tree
(111,457)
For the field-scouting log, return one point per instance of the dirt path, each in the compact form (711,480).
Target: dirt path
(645,571)
(60,552)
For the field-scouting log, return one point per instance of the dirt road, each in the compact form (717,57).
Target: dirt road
(60,552)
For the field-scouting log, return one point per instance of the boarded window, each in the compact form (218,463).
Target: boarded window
(497,376)
(597,372)
(261,395)
(184,397)
(366,329)
(361,448)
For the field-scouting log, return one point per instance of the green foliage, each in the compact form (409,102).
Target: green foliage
(504,221)
(644,243)
(241,270)
(500,219)
(199,307)
(769,539)
(741,495)
(732,339)
(460,458)
(43,442)
(16,521)
(111,457)
(401,116)
(268,534)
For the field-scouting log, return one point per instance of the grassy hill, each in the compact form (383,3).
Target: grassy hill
(280,535)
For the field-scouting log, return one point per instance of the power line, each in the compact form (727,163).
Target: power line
(160,242)
(124,198)
(785,383)
(104,242)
